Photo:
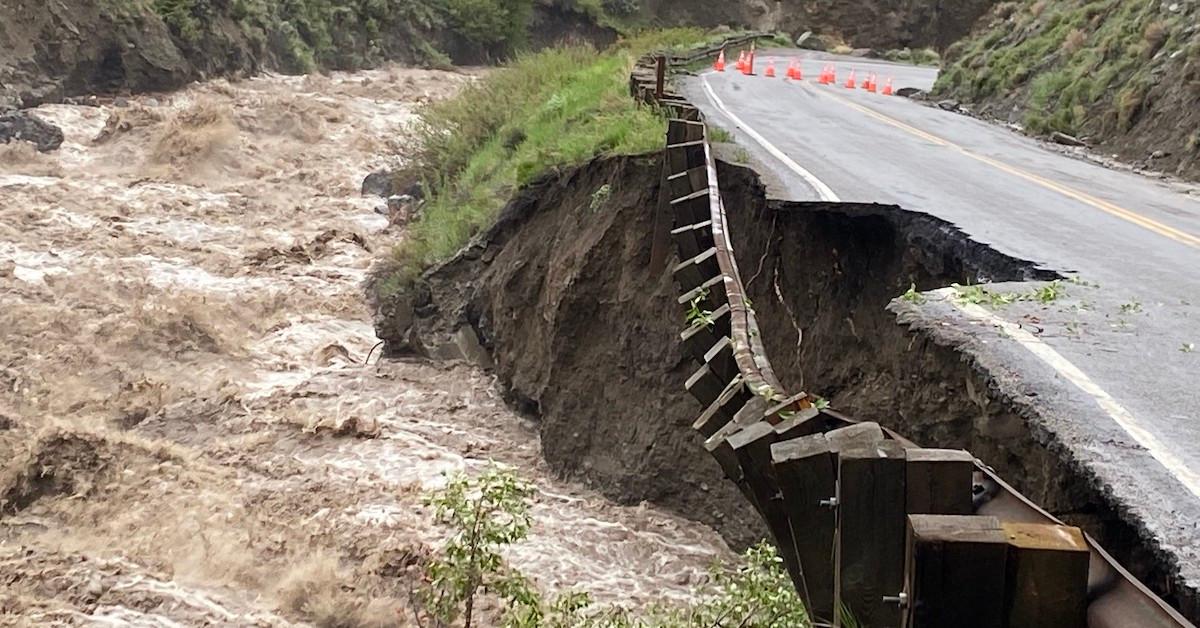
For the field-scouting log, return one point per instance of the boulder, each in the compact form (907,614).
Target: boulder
(1059,137)
(21,126)
(913,93)
(379,183)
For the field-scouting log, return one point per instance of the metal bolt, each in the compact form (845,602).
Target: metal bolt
(832,502)
(900,599)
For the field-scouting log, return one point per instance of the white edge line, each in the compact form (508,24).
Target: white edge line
(1174,465)
(822,190)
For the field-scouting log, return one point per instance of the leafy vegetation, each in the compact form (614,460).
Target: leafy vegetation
(913,296)
(488,512)
(555,108)
(304,35)
(484,514)
(981,295)
(1076,66)
(697,316)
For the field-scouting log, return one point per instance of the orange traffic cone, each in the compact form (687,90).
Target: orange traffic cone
(798,72)
(850,81)
(887,87)
(770,73)
(720,64)
(740,61)
(823,78)
(870,84)
(831,78)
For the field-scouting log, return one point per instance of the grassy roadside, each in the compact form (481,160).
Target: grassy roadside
(547,110)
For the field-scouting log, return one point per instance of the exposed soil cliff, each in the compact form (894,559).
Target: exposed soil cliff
(584,335)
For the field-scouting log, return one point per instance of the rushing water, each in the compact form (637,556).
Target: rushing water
(182,291)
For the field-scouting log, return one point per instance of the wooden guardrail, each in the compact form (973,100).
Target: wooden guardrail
(868,524)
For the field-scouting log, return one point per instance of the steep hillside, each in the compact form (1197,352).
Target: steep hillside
(49,51)
(1124,74)
(880,24)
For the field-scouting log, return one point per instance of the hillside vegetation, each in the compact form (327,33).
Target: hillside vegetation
(1125,74)
(138,45)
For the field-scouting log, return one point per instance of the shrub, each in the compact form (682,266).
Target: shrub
(491,24)
(492,510)
(484,514)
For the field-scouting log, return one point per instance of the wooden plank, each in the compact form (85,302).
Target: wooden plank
(698,339)
(692,208)
(854,435)
(684,183)
(752,445)
(714,288)
(697,270)
(723,410)
(705,385)
(954,572)
(680,131)
(802,423)
(690,240)
(806,469)
(939,482)
(685,156)
(871,530)
(1047,576)
(720,360)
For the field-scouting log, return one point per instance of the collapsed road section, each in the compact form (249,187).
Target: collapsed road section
(870,525)
(572,297)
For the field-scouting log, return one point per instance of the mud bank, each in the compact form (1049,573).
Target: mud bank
(583,334)
(582,330)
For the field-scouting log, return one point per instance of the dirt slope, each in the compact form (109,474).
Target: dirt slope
(1123,74)
(188,431)
(584,335)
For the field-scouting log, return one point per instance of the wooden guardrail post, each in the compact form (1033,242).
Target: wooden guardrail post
(871,527)
(660,76)
(939,481)
(954,572)
(807,472)
(1047,576)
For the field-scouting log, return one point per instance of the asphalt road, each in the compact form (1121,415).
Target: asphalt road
(1117,365)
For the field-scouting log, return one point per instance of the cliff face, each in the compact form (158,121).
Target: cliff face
(881,24)
(1123,74)
(49,51)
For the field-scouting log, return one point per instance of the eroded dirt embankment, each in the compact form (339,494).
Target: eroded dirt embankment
(834,270)
(191,432)
(584,332)
(584,335)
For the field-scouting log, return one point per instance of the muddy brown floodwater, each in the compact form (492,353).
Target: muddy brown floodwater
(188,432)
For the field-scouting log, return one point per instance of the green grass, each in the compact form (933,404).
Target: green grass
(1076,66)
(543,111)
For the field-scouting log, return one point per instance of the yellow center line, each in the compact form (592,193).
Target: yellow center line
(1083,197)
